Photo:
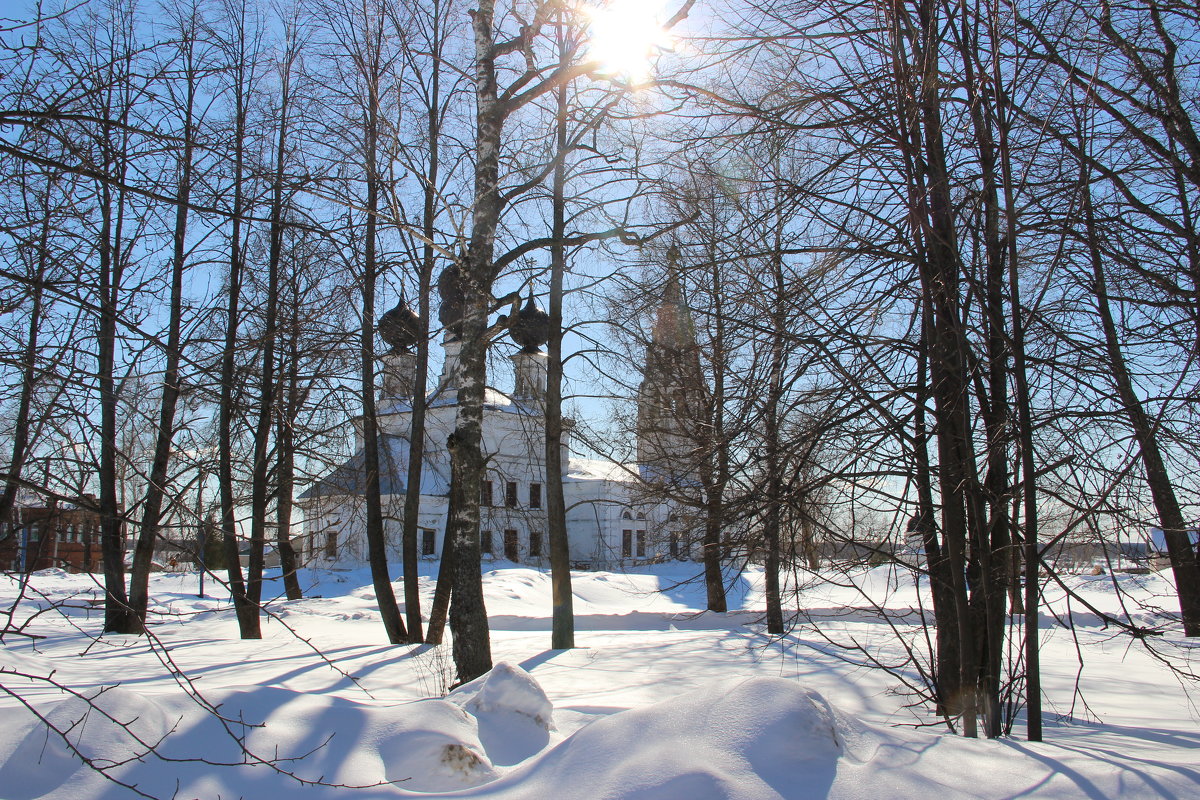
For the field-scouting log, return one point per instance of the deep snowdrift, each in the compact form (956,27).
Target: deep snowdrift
(664,702)
(759,738)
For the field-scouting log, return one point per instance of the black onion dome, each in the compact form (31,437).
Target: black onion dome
(450,312)
(531,327)
(400,328)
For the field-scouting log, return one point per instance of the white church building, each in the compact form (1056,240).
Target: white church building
(615,516)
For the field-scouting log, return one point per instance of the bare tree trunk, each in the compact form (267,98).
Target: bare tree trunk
(29,373)
(416,449)
(416,439)
(562,634)
(440,608)
(285,467)
(260,489)
(468,614)
(994,552)
(1031,555)
(715,471)
(118,617)
(393,623)
(940,280)
(941,587)
(139,576)
(478,272)
(944,590)
(239,56)
(774,493)
(1175,530)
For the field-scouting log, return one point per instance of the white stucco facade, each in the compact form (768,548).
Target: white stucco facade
(610,519)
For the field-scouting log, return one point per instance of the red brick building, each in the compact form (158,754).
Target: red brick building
(41,537)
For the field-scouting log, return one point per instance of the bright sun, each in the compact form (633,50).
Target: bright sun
(626,35)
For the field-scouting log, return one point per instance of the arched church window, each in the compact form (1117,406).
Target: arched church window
(641,515)
(626,515)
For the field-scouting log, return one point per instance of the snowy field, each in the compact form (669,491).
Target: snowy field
(658,701)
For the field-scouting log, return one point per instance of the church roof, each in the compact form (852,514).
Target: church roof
(651,473)
(349,478)
(493,400)
(595,469)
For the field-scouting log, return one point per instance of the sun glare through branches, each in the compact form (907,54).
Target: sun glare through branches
(627,36)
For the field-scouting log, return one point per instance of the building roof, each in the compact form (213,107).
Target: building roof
(493,400)
(595,469)
(349,478)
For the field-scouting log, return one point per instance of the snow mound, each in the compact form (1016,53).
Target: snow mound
(513,713)
(50,573)
(110,727)
(434,747)
(760,738)
(506,688)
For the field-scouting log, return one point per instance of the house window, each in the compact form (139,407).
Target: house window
(535,543)
(641,544)
(535,495)
(626,544)
(485,493)
(427,542)
(485,542)
(331,544)
(510,494)
(512,550)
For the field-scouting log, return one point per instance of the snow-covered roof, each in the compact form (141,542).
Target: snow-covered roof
(492,399)
(655,474)
(595,469)
(348,479)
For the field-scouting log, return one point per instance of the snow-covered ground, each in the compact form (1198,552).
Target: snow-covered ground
(659,700)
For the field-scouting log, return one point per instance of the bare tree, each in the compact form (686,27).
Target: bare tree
(193,64)
(240,46)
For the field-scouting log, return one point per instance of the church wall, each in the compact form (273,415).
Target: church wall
(599,513)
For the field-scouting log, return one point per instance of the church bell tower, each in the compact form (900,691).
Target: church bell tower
(671,395)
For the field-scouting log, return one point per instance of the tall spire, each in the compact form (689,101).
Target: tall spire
(673,332)
(670,397)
